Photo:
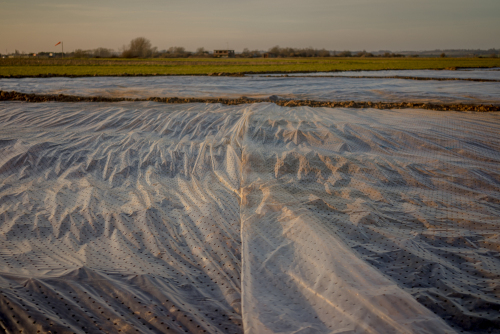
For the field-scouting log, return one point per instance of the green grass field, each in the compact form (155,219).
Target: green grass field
(192,66)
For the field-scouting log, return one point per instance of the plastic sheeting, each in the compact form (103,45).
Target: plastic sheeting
(153,218)
(489,74)
(324,89)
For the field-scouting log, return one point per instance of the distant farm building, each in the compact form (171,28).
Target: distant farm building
(224,53)
(268,55)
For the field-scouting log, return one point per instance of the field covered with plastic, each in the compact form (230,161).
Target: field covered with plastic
(145,217)
(320,88)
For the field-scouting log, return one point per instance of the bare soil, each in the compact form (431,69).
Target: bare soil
(37,98)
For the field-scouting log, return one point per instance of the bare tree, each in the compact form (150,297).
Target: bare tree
(255,53)
(275,50)
(139,47)
(200,51)
(102,53)
(323,53)
(79,53)
(177,51)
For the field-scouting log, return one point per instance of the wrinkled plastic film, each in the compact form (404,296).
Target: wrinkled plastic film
(161,218)
(320,89)
(118,218)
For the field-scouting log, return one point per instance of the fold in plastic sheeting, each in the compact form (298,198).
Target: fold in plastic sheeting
(152,218)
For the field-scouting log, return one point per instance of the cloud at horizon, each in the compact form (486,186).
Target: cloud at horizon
(31,26)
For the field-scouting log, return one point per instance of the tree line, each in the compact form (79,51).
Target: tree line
(141,47)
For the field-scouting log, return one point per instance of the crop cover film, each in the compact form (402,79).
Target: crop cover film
(147,217)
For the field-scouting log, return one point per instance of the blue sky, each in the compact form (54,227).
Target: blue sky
(31,26)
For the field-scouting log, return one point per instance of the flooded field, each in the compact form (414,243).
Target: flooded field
(143,217)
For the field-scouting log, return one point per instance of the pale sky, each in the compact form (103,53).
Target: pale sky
(397,25)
